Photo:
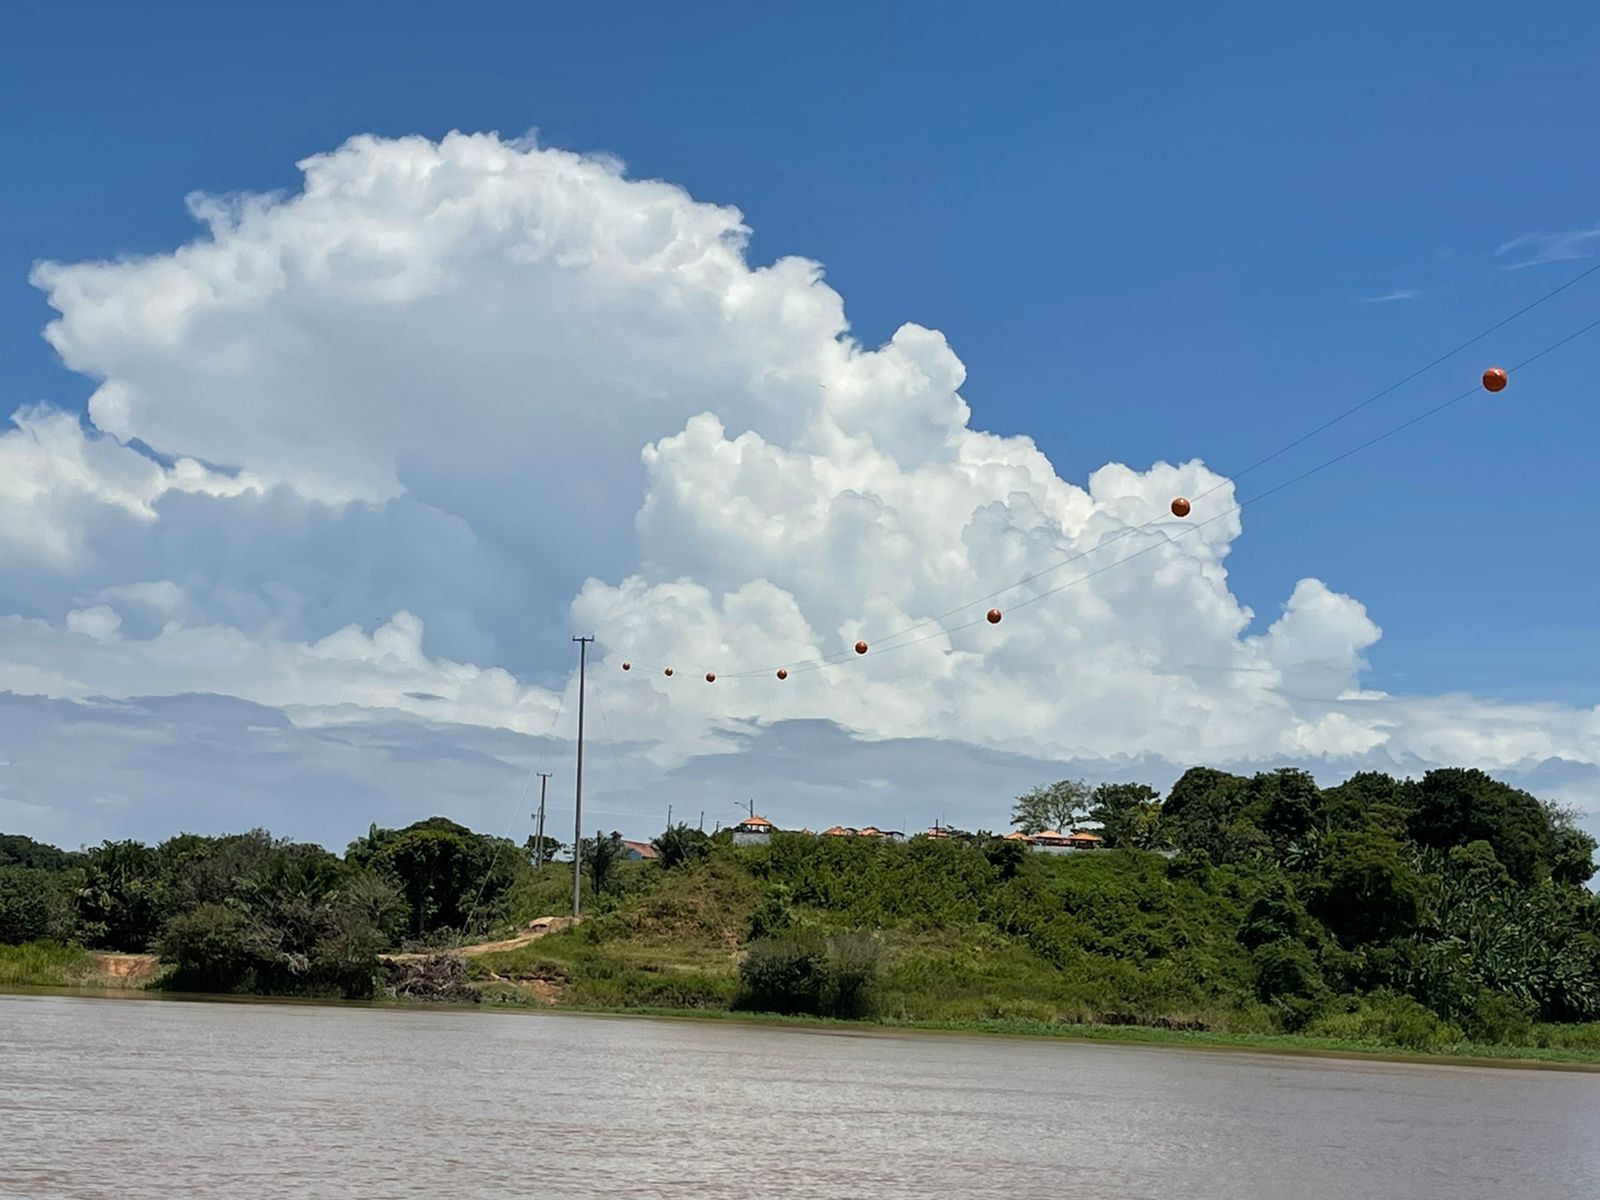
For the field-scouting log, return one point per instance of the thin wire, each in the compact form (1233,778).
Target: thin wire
(527,789)
(938,619)
(1400,383)
(1234,477)
(1195,527)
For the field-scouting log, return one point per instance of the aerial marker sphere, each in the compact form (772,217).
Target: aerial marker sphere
(1180,507)
(994,616)
(668,671)
(861,647)
(782,674)
(627,666)
(711,677)
(1494,379)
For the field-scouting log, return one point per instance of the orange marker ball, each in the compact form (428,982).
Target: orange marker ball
(1180,507)
(782,674)
(710,677)
(861,647)
(1495,380)
(994,616)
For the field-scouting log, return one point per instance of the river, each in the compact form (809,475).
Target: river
(151,1098)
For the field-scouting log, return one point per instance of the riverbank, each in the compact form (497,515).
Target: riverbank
(99,984)
(45,964)
(1464,1054)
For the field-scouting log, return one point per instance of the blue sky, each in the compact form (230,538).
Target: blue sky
(1154,235)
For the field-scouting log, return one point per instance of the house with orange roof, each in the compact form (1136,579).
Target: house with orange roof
(1053,841)
(752,831)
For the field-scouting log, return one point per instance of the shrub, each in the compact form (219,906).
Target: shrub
(785,974)
(679,845)
(1494,1017)
(210,949)
(1389,1020)
(775,916)
(803,973)
(853,963)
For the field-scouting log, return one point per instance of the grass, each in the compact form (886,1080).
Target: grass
(1464,1052)
(666,944)
(46,964)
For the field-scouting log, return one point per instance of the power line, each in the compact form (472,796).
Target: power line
(1189,528)
(885,642)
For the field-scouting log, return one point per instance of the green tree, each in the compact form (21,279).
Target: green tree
(1060,805)
(679,844)
(371,902)
(35,903)
(446,872)
(1129,815)
(1455,806)
(121,900)
(211,948)
(16,850)
(1572,852)
(1204,813)
(551,848)
(1286,805)
(1368,891)
(197,870)
(601,855)
(1369,800)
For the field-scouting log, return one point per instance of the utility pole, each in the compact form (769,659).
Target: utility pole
(752,806)
(669,816)
(538,853)
(702,820)
(577,802)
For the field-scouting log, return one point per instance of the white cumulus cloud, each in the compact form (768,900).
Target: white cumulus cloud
(453,392)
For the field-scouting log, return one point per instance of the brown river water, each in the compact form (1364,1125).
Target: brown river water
(151,1098)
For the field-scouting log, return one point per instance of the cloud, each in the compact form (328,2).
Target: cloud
(56,478)
(453,399)
(1391,297)
(1531,249)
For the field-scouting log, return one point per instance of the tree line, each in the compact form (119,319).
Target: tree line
(1452,902)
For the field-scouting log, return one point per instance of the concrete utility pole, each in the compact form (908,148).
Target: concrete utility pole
(577,803)
(538,851)
(669,816)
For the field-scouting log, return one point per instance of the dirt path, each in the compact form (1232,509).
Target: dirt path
(534,931)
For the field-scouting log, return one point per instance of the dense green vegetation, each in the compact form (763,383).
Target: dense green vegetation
(1445,913)
(253,913)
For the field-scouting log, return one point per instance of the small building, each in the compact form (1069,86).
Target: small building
(635,851)
(1053,841)
(839,831)
(752,831)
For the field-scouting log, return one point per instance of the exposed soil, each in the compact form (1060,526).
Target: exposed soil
(532,933)
(125,970)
